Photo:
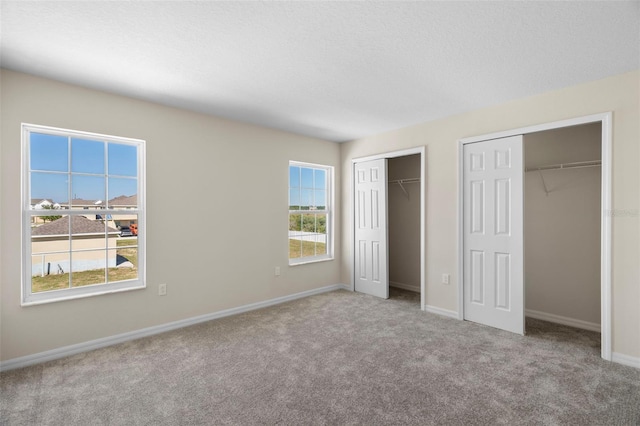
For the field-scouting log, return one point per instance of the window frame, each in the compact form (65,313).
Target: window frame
(27,296)
(328,211)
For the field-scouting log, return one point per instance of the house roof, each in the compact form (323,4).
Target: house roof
(79,225)
(124,200)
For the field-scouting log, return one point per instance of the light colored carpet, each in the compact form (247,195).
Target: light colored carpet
(335,358)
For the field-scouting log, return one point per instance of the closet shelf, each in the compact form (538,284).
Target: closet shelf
(576,165)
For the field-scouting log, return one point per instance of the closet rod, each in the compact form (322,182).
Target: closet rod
(576,165)
(401,181)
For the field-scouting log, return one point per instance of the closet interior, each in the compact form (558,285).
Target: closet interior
(562,220)
(403,202)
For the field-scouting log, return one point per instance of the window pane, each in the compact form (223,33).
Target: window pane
(49,152)
(89,267)
(49,271)
(307,234)
(309,223)
(294,248)
(123,230)
(47,227)
(319,179)
(294,176)
(295,226)
(295,222)
(320,234)
(301,244)
(294,199)
(49,253)
(123,159)
(87,233)
(126,264)
(87,156)
(321,226)
(307,177)
(48,189)
(88,191)
(123,244)
(123,193)
(306,199)
(320,199)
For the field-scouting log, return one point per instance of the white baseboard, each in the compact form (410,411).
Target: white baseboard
(440,311)
(404,286)
(558,319)
(625,360)
(65,351)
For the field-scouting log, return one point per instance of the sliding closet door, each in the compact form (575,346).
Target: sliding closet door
(370,208)
(493,239)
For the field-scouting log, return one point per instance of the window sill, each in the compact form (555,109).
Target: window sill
(308,261)
(81,295)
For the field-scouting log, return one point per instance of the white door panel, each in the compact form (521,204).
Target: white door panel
(371,257)
(493,238)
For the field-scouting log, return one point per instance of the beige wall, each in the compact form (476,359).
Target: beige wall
(619,94)
(231,174)
(562,228)
(404,222)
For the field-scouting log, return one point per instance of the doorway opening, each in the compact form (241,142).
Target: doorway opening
(562,217)
(389,225)
(403,215)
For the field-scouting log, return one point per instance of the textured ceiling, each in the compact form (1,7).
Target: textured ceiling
(333,70)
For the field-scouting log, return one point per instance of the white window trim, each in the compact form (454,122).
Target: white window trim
(329,211)
(27,297)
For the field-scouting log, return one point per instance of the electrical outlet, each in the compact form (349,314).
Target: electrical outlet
(277,271)
(445,279)
(162,290)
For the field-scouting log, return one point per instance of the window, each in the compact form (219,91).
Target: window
(82,193)
(310,214)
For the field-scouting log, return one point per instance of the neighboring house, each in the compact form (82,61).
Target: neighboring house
(40,203)
(85,204)
(121,202)
(50,246)
(124,202)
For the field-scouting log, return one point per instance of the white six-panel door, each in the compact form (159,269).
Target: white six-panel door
(370,245)
(493,271)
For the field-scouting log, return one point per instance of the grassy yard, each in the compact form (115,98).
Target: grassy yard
(309,248)
(60,281)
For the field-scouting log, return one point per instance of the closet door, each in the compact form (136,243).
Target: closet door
(493,238)
(371,261)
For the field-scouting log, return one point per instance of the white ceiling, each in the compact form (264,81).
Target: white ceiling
(333,70)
